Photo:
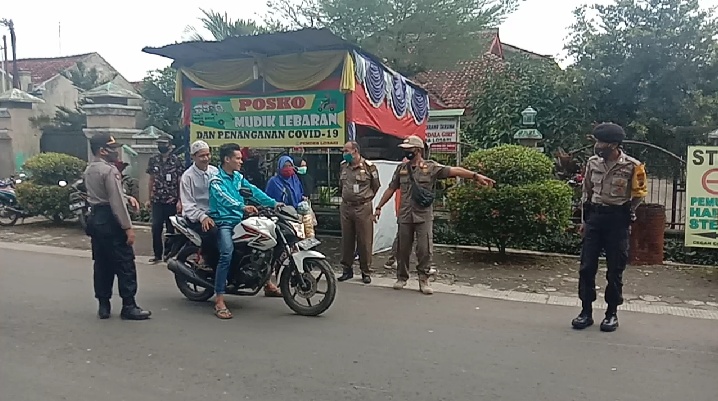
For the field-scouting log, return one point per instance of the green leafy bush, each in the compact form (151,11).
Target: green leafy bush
(527,203)
(44,200)
(511,164)
(51,168)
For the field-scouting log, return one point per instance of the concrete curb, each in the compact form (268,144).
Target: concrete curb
(383,282)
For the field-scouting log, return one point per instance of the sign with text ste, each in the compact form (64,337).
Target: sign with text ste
(702,197)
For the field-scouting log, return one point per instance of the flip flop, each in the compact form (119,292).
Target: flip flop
(223,313)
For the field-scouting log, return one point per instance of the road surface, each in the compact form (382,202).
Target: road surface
(373,344)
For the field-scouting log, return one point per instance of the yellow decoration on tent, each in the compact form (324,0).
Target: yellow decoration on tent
(290,72)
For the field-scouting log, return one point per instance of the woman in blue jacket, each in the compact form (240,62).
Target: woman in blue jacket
(285,186)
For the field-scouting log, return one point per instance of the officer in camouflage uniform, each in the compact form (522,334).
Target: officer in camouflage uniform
(359,182)
(416,222)
(613,187)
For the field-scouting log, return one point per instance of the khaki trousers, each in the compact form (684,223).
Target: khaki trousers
(357,235)
(423,232)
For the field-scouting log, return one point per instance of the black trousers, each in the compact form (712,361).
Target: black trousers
(112,256)
(210,250)
(161,213)
(606,228)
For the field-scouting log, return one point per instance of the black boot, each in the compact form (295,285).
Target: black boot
(130,311)
(347,275)
(584,319)
(366,279)
(103,312)
(610,322)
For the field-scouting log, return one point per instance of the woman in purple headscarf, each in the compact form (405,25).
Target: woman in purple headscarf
(285,186)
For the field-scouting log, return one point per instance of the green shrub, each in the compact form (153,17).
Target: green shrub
(511,164)
(527,204)
(51,201)
(51,168)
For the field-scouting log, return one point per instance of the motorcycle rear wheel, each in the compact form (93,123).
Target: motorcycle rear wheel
(7,216)
(189,255)
(290,288)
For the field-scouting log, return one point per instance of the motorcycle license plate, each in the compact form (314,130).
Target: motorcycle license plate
(309,243)
(77,206)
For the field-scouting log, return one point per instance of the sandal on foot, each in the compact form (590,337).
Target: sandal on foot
(222,313)
(273,293)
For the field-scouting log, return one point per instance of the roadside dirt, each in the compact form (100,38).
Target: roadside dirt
(657,285)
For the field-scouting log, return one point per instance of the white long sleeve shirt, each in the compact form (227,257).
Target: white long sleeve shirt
(194,192)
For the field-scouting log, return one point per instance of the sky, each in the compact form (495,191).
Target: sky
(118,34)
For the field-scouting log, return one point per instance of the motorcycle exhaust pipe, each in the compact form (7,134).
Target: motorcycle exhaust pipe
(180,269)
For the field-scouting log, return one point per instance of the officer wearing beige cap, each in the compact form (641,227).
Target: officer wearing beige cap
(416,179)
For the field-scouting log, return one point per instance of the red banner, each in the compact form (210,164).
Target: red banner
(361,111)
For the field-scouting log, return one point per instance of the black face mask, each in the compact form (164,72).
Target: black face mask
(163,148)
(409,155)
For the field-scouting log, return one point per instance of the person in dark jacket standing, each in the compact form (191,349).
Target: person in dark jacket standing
(613,187)
(110,230)
(165,170)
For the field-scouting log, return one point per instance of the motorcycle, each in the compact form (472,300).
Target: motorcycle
(272,242)
(10,210)
(78,202)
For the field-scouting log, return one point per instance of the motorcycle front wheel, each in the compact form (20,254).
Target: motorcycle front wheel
(190,256)
(8,217)
(316,280)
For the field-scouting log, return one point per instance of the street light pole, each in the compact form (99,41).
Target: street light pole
(13,43)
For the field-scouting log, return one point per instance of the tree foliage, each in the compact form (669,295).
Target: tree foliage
(158,90)
(650,63)
(220,26)
(507,88)
(403,32)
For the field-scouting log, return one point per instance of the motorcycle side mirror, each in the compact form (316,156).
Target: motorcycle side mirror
(62,183)
(246,192)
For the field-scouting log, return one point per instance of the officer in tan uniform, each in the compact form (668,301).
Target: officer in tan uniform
(110,230)
(359,181)
(415,220)
(613,187)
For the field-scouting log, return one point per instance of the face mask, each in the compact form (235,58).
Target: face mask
(302,170)
(163,148)
(348,157)
(602,151)
(112,155)
(287,171)
(409,155)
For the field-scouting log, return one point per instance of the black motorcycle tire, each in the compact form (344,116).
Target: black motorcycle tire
(83,219)
(184,286)
(314,310)
(13,216)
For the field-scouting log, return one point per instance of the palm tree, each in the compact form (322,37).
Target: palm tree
(221,27)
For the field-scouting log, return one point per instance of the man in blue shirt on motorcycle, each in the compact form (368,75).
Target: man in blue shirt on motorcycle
(227,209)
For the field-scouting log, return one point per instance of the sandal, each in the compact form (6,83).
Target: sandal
(222,313)
(272,293)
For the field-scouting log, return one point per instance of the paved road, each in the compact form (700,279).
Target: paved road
(374,344)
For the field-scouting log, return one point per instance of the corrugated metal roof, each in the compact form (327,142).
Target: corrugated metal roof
(248,46)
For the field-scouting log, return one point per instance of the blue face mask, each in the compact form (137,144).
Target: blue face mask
(348,157)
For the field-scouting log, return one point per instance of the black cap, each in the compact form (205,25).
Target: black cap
(609,133)
(99,141)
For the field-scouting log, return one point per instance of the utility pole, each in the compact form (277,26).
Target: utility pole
(13,43)
(4,63)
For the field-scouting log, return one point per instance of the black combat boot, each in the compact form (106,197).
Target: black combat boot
(103,312)
(347,275)
(610,322)
(365,278)
(131,311)
(584,319)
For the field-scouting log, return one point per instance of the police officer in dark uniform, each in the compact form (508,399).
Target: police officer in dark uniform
(613,187)
(110,228)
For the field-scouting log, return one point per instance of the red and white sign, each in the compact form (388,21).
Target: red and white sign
(442,135)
